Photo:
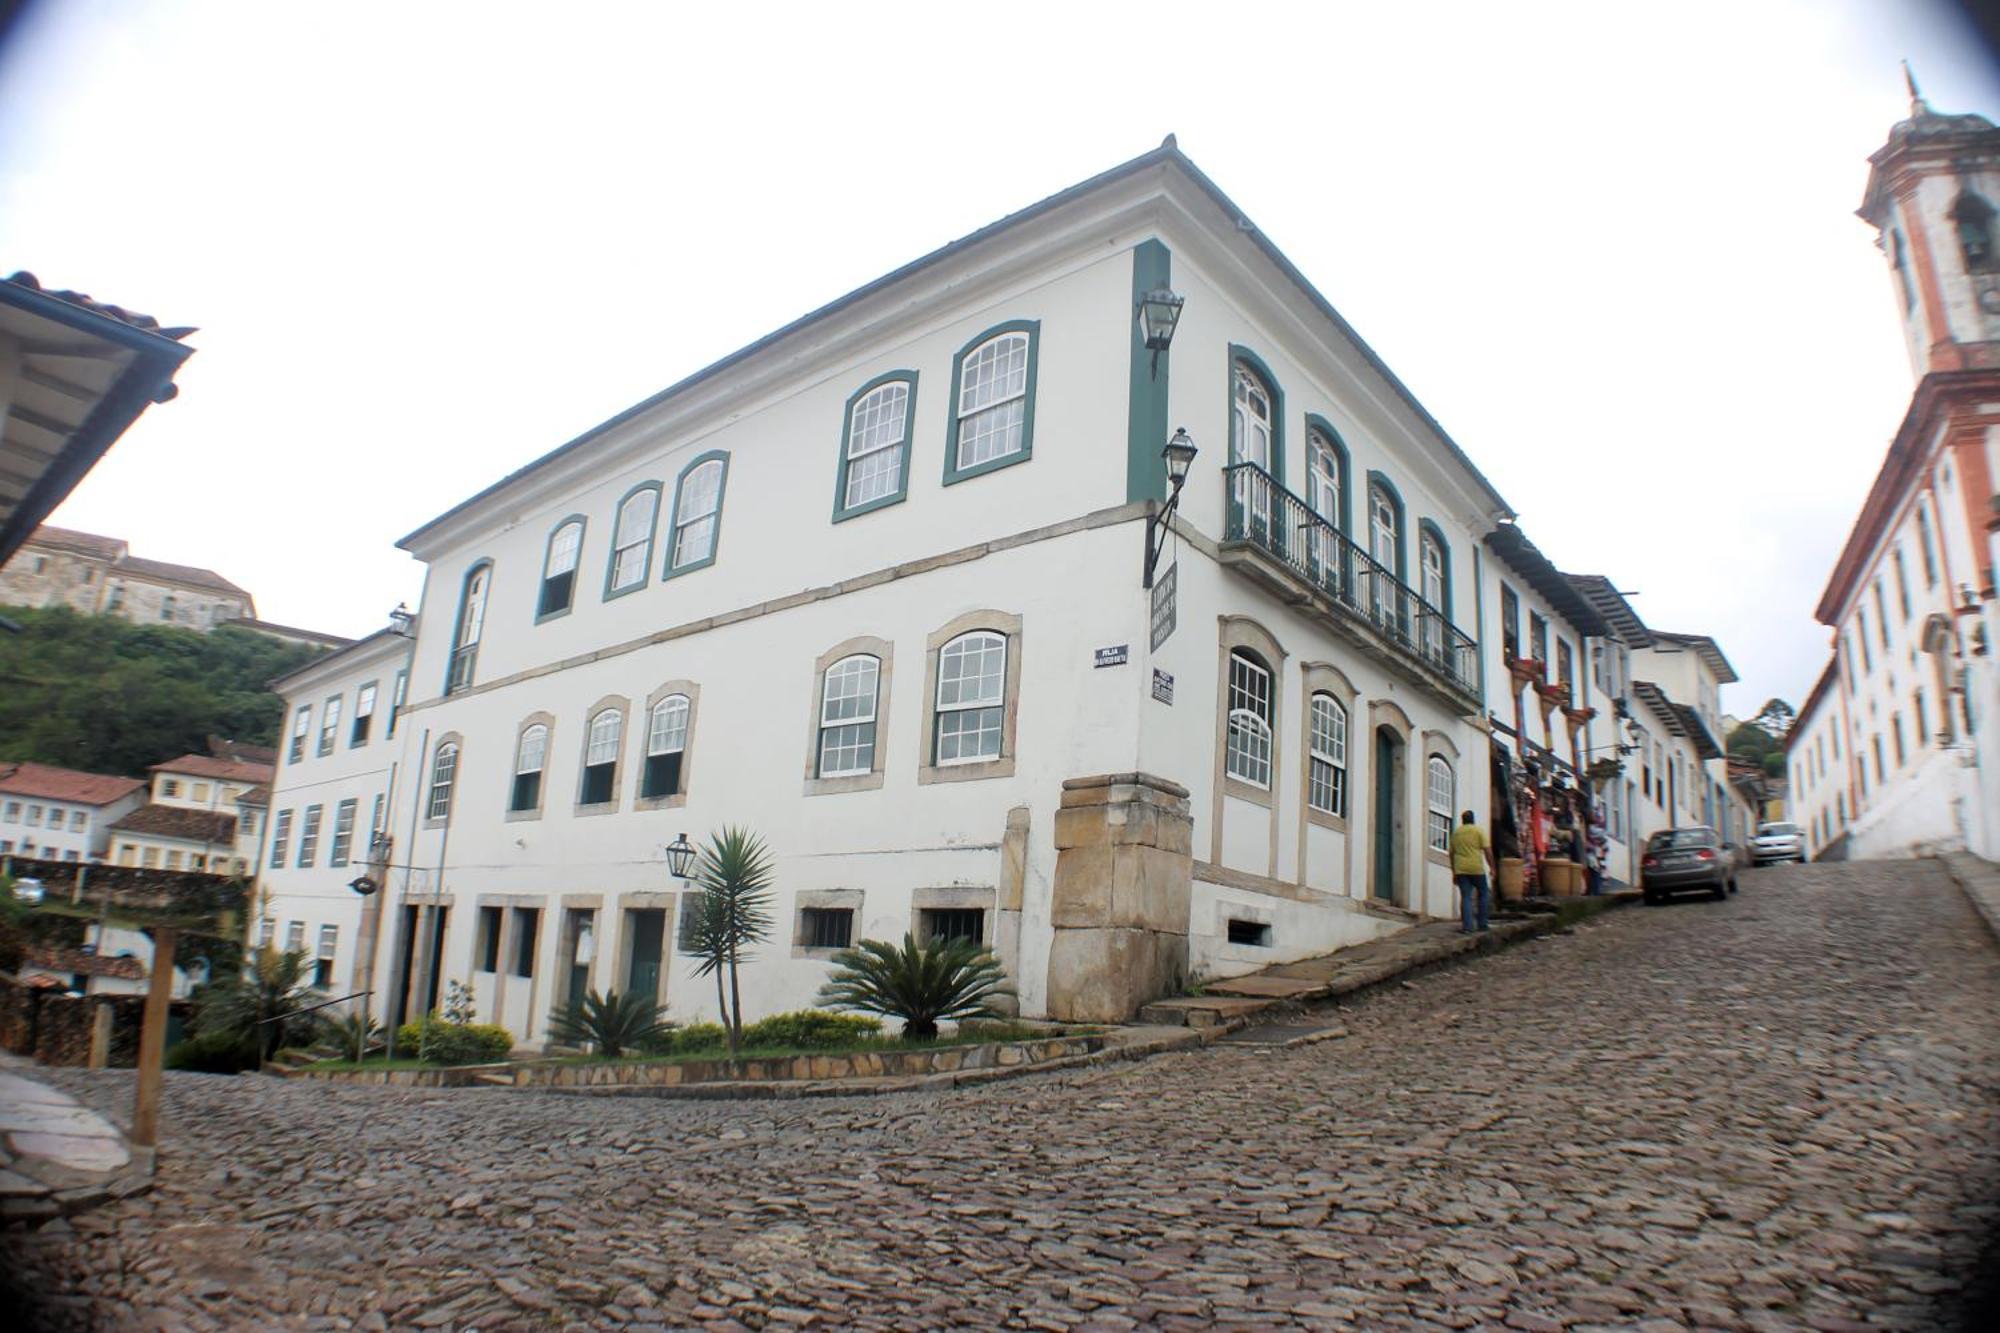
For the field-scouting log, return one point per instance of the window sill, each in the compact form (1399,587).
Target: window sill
(522,816)
(592,811)
(822,955)
(544,617)
(1437,858)
(1245,791)
(1321,819)
(1002,767)
(674,802)
(870,506)
(836,786)
(443,822)
(692,565)
(952,475)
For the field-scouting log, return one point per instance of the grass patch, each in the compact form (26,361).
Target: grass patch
(374,1062)
(984,1034)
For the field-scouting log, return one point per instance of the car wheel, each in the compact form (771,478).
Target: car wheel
(1732,885)
(1651,898)
(1721,889)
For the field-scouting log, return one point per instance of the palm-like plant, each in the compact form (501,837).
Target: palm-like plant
(731,914)
(611,1022)
(918,983)
(262,1004)
(355,1033)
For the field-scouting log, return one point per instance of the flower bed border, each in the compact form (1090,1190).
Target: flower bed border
(561,1075)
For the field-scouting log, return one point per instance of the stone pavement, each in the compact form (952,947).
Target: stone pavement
(1980,879)
(1773,1112)
(56,1156)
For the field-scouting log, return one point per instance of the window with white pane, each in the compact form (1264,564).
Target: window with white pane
(666,747)
(467,629)
(1248,751)
(847,717)
(559,568)
(600,756)
(329,940)
(632,540)
(993,400)
(1441,798)
(364,715)
(875,452)
(281,836)
(397,697)
(295,936)
(530,757)
(301,728)
(1326,781)
(444,775)
(698,513)
(309,836)
(329,725)
(971,698)
(343,832)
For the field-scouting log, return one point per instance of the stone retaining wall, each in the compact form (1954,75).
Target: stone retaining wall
(54,1028)
(679,1073)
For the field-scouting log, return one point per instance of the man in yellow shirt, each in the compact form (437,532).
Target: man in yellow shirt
(1471,858)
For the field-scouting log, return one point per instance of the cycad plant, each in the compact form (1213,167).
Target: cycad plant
(921,984)
(354,1033)
(611,1022)
(730,915)
(262,1004)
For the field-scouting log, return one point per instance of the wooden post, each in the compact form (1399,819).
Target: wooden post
(100,1035)
(153,1040)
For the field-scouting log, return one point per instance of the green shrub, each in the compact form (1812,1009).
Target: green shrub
(214,1053)
(690,1040)
(809,1030)
(454,1043)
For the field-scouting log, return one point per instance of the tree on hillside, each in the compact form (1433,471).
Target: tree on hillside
(107,696)
(1776,718)
(1752,742)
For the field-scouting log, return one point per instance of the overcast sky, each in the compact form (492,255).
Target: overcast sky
(1611,247)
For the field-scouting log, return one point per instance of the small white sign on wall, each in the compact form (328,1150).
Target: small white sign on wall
(1163,686)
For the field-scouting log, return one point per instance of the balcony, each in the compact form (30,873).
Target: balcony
(1275,538)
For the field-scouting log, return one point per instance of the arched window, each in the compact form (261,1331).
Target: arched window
(1974,217)
(1929,546)
(1441,799)
(1385,536)
(971,698)
(847,717)
(1250,716)
(600,757)
(666,746)
(1326,783)
(1435,589)
(559,568)
(1250,419)
(444,773)
(1326,494)
(1901,259)
(874,455)
(530,757)
(465,633)
(992,392)
(697,514)
(632,540)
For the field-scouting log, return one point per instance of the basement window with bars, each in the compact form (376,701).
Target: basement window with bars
(941,924)
(826,927)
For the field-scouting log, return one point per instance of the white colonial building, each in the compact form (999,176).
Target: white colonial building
(60,814)
(100,576)
(946,698)
(205,813)
(1895,752)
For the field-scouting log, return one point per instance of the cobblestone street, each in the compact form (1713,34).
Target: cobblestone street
(1778,1111)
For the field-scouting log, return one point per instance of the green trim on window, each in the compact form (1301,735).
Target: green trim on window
(1238,352)
(1146,418)
(548,544)
(1402,523)
(673,524)
(1316,422)
(952,472)
(841,511)
(458,617)
(652,535)
(1429,528)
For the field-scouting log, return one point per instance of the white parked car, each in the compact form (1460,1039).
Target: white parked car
(1778,842)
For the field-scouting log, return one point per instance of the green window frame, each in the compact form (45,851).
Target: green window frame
(864,399)
(642,559)
(685,523)
(553,596)
(956,414)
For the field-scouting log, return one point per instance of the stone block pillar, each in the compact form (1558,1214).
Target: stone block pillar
(1123,882)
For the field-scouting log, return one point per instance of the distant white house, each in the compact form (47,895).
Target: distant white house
(61,814)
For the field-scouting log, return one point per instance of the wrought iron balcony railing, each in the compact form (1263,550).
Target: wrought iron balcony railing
(1284,528)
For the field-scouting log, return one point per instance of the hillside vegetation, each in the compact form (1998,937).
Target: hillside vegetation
(106,696)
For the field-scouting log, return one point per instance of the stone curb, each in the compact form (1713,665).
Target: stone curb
(1980,881)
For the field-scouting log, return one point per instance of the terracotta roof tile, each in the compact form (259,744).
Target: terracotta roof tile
(207,766)
(172,821)
(65,784)
(140,567)
(75,960)
(83,543)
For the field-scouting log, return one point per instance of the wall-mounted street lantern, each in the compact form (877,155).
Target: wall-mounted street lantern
(363,885)
(1179,457)
(402,621)
(1159,314)
(680,856)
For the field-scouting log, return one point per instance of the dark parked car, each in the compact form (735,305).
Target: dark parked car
(1680,859)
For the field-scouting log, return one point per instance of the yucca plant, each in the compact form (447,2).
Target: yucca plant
(731,914)
(611,1022)
(921,984)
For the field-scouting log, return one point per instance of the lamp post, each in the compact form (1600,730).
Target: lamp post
(1179,457)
